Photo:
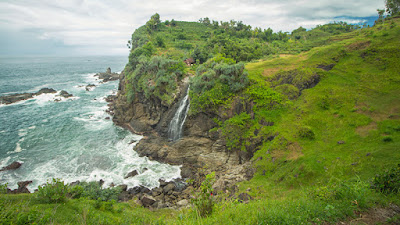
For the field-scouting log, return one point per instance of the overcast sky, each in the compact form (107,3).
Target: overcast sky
(102,27)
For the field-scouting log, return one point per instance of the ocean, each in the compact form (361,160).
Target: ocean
(69,139)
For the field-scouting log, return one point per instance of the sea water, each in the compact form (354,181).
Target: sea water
(71,138)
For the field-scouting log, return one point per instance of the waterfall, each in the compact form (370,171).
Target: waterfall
(176,124)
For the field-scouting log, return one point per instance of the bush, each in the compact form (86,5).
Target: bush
(387,139)
(306,133)
(203,201)
(388,182)
(93,190)
(53,192)
(3,188)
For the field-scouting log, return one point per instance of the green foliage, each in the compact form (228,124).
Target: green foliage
(215,82)
(299,78)
(203,201)
(306,133)
(264,97)
(154,23)
(156,76)
(3,188)
(392,7)
(53,191)
(93,190)
(389,181)
(160,41)
(236,131)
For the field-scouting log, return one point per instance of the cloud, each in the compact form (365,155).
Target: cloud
(101,27)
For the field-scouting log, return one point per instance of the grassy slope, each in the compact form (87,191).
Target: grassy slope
(297,180)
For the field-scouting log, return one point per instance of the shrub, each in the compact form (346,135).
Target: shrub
(93,190)
(3,188)
(389,181)
(306,133)
(53,192)
(387,139)
(203,201)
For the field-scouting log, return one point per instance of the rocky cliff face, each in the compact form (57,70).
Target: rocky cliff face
(198,149)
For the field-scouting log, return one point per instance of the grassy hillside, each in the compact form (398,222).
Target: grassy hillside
(325,122)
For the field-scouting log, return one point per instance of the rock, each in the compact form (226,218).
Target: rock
(157,191)
(13,166)
(107,118)
(125,196)
(46,91)
(123,187)
(131,174)
(162,183)
(107,76)
(74,183)
(9,99)
(340,142)
(101,182)
(182,203)
(244,197)
(368,154)
(90,87)
(65,94)
(22,187)
(147,201)
(169,188)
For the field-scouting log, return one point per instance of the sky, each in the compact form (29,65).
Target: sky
(103,27)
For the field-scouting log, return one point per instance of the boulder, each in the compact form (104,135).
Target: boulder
(244,197)
(182,203)
(132,174)
(46,91)
(147,201)
(89,87)
(65,94)
(123,187)
(169,188)
(22,187)
(13,166)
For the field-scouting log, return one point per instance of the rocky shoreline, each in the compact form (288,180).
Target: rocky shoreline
(10,99)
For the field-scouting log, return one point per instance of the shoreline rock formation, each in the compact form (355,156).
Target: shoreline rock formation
(108,75)
(10,99)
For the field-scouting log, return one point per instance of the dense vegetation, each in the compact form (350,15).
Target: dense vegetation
(324,128)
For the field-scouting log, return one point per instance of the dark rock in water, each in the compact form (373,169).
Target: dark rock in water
(22,187)
(107,118)
(46,91)
(89,87)
(162,183)
(108,75)
(65,94)
(13,166)
(147,200)
(131,174)
(101,182)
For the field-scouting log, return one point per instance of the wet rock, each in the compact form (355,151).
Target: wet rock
(131,174)
(65,94)
(46,91)
(22,187)
(107,118)
(101,182)
(157,191)
(89,87)
(107,76)
(13,166)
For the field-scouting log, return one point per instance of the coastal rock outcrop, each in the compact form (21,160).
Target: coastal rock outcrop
(10,99)
(13,166)
(108,75)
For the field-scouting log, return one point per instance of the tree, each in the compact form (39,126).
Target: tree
(153,23)
(392,6)
(380,13)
